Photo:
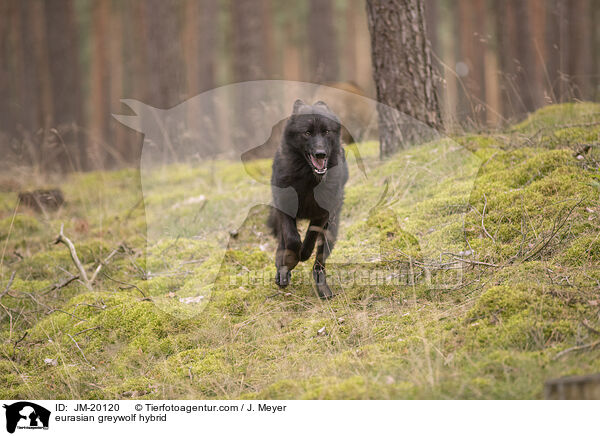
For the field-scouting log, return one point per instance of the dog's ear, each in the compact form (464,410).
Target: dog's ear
(297,105)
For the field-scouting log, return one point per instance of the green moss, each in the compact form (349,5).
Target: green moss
(456,330)
(550,116)
(18,226)
(583,251)
(394,242)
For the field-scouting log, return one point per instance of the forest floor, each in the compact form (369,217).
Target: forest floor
(485,247)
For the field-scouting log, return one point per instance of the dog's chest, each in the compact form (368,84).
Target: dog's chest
(308,207)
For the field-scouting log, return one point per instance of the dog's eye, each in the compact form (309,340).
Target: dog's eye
(307,133)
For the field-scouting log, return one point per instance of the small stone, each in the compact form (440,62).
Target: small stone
(50,362)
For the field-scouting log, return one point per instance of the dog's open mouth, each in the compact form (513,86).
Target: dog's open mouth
(319,164)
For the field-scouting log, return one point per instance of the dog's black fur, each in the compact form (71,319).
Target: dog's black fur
(309,174)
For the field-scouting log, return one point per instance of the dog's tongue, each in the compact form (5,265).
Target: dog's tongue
(318,163)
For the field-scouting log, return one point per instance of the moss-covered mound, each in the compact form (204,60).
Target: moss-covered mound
(463,267)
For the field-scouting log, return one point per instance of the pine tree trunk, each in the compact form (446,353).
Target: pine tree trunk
(471,25)
(199,43)
(248,64)
(402,71)
(115,52)
(63,52)
(248,50)
(580,48)
(166,81)
(364,69)
(6,112)
(99,86)
(350,42)
(322,43)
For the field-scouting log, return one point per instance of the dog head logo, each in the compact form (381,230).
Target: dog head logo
(26,415)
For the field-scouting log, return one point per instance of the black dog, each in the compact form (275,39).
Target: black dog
(309,174)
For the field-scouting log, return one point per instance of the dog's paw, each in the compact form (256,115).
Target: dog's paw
(323,289)
(282,277)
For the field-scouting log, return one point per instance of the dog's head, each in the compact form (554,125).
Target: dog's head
(313,131)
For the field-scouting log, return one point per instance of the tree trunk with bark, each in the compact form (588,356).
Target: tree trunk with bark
(63,52)
(403,73)
(199,44)
(322,43)
(99,87)
(248,47)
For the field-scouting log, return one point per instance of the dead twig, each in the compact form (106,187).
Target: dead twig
(88,282)
(87,330)
(124,283)
(18,341)
(67,313)
(556,227)
(50,309)
(10,319)
(61,238)
(10,282)
(576,348)
(81,351)
(473,262)
(483,217)
(587,325)
(61,284)
(104,262)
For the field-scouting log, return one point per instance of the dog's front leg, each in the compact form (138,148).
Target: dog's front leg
(325,243)
(288,251)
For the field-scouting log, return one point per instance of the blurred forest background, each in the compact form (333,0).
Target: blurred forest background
(65,64)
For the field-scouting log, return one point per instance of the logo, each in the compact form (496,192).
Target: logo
(26,415)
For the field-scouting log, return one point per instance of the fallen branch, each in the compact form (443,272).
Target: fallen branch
(473,262)
(576,348)
(61,284)
(104,262)
(61,238)
(587,325)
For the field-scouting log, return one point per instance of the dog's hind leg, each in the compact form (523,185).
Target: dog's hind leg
(325,243)
(288,251)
